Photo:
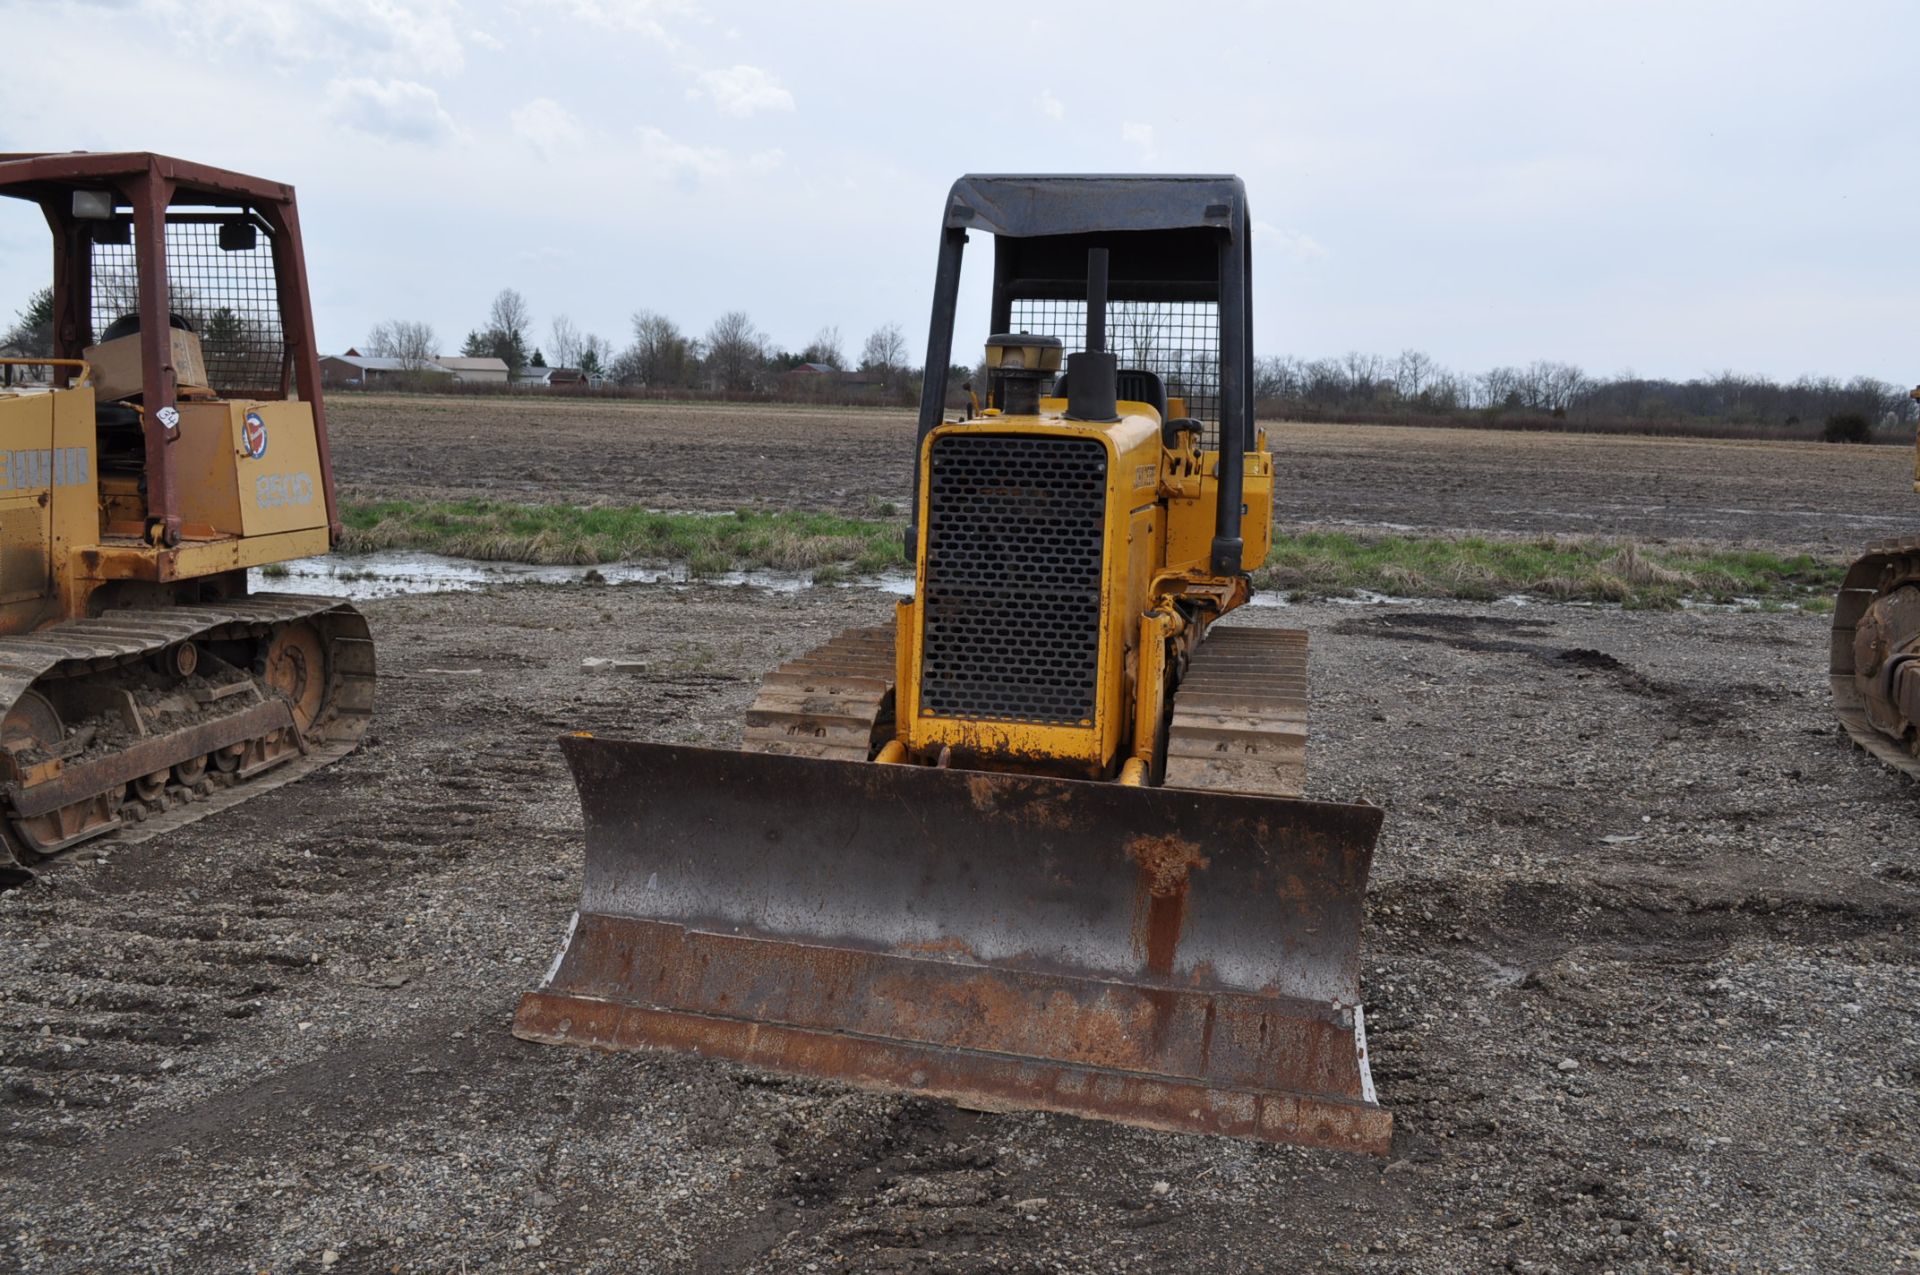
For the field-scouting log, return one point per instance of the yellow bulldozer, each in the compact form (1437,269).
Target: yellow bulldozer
(1875,661)
(169,437)
(1040,842)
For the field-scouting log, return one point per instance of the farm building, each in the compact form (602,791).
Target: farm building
(476,371)
(355,368)
(824,378)
(550,378)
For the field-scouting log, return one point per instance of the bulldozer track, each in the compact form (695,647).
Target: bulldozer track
(249,738)
(1890,562)
(1239,720)
(836,701)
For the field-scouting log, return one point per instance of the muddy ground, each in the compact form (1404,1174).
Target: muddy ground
(1642,956)
(1800,496)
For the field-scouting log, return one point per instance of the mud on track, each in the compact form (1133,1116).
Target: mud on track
(1800,496)
(1640,972)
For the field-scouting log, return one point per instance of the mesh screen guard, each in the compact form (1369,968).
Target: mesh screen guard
(231,298)
(1178,340)
(1015,529)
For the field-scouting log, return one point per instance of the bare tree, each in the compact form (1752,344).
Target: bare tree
(1363,372)
(735,351)
(885,351)
(659,355)
(510,317)
(1500,387)
(825,348)
(1134,333)
(412,343)
(1552,387)
(1413,371)
(596,355)
(565,341)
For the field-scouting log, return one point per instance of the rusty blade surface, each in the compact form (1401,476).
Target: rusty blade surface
(1879,709)
(1175,959)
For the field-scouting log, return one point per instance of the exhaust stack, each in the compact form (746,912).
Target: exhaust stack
(1093,378)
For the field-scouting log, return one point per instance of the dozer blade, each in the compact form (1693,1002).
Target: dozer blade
(1178,960)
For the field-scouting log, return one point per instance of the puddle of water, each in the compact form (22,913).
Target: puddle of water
(392,572)
(1368,524)
(1739,605)
(361,576)
(1368,598)
(1358,598)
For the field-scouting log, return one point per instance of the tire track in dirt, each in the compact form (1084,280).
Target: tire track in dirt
(116,999)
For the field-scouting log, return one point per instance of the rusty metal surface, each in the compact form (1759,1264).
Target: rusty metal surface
(832,702)
(1875,654)
(158,753)
(76,651)
(1174,959)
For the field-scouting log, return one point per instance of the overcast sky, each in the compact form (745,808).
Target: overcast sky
(1671,188)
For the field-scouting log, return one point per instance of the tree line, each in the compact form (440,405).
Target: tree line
(733,355)
(1364,385)
(240,348)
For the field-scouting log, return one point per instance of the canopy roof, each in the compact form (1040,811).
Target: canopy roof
(1052,204)
(38,176)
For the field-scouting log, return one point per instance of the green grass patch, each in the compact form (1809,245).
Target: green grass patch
(1566,569)
(573,535)
(831,549)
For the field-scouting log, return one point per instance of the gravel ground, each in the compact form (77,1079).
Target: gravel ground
(1640,977)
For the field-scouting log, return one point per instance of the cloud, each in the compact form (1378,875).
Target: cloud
(548,127)
(1288,243)
(400,110)
(670,158)
(1052,107)
(410,37)
(486,40)
(1140,135)
(643,16)
(740,91)
(677,158)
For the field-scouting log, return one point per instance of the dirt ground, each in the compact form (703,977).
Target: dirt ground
(1642,941)
(1800,496)
(1641,956)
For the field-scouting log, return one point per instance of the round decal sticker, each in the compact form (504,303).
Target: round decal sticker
(255,435)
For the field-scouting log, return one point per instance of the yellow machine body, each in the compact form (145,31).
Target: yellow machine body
(143,471)
(1156,525)
(1040,842)
(63,538)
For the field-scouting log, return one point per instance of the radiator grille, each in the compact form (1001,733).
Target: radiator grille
(1012,600)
